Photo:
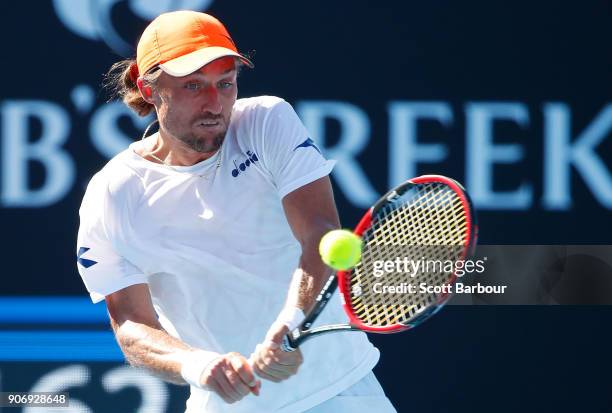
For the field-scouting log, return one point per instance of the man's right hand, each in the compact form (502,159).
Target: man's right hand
(231,377)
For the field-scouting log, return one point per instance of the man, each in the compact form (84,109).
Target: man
(193,233)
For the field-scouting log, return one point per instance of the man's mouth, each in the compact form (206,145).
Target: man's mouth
(209,123)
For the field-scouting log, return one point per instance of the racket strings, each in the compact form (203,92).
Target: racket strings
(427,224)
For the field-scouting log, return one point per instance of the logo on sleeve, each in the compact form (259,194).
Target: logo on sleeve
(308,142)
(84,261)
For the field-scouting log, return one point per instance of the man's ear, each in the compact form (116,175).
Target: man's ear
(145,91)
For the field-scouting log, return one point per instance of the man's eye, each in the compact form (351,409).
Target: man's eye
(225,85)
(192,86)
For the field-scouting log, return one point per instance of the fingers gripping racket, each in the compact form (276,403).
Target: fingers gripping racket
(430,222)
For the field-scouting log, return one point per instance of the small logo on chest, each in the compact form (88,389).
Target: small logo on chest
(242,166)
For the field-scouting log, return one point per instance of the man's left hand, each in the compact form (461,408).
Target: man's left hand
(270,362)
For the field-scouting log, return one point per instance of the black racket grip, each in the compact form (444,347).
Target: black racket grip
(288,345)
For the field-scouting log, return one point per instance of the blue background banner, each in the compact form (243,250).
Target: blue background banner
(465,359)
(510,98)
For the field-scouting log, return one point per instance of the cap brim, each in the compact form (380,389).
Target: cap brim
(189,63)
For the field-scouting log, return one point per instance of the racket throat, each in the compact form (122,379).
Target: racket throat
(297,337)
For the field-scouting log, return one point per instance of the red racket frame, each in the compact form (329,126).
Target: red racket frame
(366,222)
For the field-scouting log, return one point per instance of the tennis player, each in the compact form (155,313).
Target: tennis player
(202,238)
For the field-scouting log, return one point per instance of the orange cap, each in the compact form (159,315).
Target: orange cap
(181,42)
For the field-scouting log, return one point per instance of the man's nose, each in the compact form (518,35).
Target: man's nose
(211,102)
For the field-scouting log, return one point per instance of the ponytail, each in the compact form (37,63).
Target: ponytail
(120,81)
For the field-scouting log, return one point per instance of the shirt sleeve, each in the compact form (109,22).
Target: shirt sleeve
(291,154)
(102,269)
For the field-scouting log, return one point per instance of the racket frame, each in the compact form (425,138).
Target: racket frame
(341,279)
(366,222)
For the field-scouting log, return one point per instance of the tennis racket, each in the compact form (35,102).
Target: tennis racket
(426,220)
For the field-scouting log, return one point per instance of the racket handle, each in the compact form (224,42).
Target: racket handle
(288,345)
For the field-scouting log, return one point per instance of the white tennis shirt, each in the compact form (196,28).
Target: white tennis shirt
(216,250)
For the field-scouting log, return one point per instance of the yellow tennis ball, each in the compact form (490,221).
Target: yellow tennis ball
(340,249)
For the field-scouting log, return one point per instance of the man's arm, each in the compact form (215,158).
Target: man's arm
(146,344)
(311,212)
